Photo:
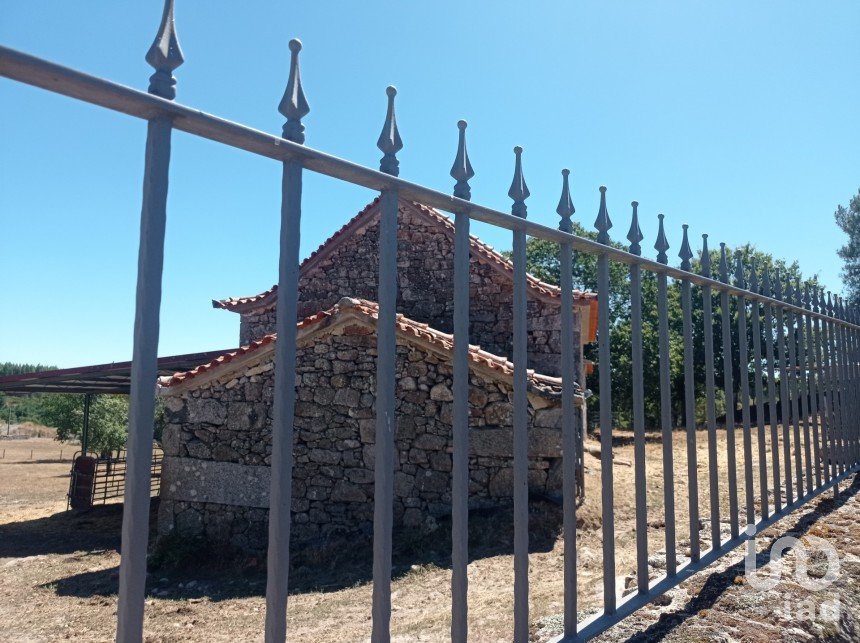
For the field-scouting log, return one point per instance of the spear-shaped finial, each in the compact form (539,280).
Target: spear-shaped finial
(662,244)
(766,287)
(565,204)
(294,105)
(837,307)
(164,56)
(740,278)
(789,292)
(798,293)
(829,303)
(462,169)
(389,140)
(753,286)
(807,299)
(686,253)
(519,191)
(603,223)
(634,235)
(777,284)
(705,261)
(724,264)
(816,302)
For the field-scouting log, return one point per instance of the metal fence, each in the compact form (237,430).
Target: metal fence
(817,349)
(100,479)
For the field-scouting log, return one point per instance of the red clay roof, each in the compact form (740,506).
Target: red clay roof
(484,253)
(367,312)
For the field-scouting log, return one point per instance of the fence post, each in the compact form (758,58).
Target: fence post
(386,345)
(729,390)
(812,366)
(710,404)
(759,389)
(294,107)
(793,390)
(164,56)
(743,357)
(770,359)
(784,394)
(686,254)
(570,448)
(519,192)
(635,236)
(461,171)
(803,384)
(661,246)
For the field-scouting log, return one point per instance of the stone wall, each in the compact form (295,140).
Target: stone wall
(425,291)
(217,444)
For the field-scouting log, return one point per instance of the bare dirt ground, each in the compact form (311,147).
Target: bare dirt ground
(58,570)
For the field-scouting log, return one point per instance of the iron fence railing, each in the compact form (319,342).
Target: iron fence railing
(817,347)
(102,478)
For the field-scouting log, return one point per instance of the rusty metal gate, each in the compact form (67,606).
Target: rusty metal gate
(97,479)
(811,339)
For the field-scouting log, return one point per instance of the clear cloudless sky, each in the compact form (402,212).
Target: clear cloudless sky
(739,118)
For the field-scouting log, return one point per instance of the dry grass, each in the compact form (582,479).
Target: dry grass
(59,570)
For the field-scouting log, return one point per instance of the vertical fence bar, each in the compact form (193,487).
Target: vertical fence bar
(710,404)
(294,106)
(783,390)
(767,291)
(744,363)
(828,379)
(686,254)
(635,236)
(803,385)
(838,426)
(662,245)
(603,224)
(844,399)
(793,390)
(729,390)
(164,56)
(568,411)
(821,386)
(852,374)
(849,388)
(812,365)
(519,192)
(386,345)
(461,171)
(759,390)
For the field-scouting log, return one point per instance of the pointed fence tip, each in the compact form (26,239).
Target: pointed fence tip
(519,191)
(603,223)
(565,203)
(165,55)
(686,253)
(634,235)
(740,277)
(389,142)
(462,169)
(293,104)
(662,244)
(705,260)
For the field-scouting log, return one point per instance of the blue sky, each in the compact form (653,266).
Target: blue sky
(739,118)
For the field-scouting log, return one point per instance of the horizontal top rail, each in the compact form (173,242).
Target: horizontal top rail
(31,70)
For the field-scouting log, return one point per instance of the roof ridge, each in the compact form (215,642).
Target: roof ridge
(482,250)
(370,310)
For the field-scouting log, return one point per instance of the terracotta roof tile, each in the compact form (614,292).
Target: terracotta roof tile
(368,312)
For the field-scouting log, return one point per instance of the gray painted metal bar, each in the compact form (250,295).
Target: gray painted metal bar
(729,392)
(570,444)
(759,391)
(773,415)
(165,57)
(662,245)
(744,361)
(37,72)
(828,388)
(710,404)
(603,224)
(386,345)
(820,385)
(793,390)
(844,402)
(833,380)
(686,254)
(782,360)
(294,107)
(461,171)
(803,385)
(635,237)
(519,192)
(812,365)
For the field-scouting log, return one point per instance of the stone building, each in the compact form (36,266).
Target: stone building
(217,441)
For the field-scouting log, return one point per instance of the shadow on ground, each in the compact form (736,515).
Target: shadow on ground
(324,566)
(718,583)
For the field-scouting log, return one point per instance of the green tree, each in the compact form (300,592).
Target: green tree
(543,262)
(108,419)
(848,219)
